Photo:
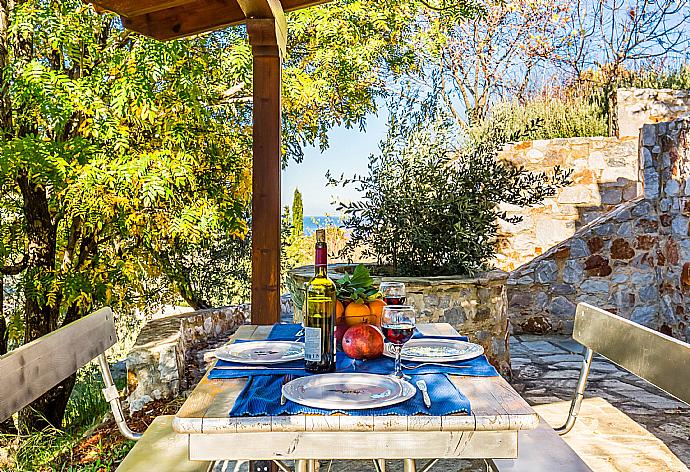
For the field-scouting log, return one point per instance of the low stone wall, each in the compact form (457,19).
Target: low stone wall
(474,306)
(637,107)
(629,261)
(156,365)
(605,173)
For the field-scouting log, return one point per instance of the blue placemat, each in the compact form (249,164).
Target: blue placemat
(285,332)
(261,397)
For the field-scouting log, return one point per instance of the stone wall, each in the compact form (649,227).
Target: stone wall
(605,173)
(476,307)
(629,261)
(636,107)
(156,365)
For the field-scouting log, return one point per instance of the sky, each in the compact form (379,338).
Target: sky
(348,153)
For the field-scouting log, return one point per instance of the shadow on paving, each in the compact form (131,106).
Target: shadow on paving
(545,371)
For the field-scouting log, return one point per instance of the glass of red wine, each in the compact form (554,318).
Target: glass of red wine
(393,293)
(397,323)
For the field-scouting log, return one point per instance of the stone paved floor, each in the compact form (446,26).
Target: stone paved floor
(545,370)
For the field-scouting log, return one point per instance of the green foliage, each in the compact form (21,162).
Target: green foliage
(125,162)
(581,109)
(86,405)
(658,77)
(558,117)
(297,214)
(358,287)
(430,208)
(51,448)
(339,59)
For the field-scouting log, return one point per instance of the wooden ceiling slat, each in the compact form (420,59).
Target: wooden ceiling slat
(171,19)
(131,8)
(196,17)
(291,5)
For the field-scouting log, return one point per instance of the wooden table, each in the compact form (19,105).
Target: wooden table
(498,412)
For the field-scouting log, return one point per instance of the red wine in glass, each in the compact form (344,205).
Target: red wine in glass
(398,333)
(394,300)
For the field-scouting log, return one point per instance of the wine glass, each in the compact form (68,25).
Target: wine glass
(393,293)
(397,323)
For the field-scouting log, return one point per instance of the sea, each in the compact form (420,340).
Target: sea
(312,223)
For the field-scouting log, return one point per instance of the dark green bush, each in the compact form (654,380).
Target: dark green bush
(429,208)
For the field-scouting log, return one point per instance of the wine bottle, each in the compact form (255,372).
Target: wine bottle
(319,321)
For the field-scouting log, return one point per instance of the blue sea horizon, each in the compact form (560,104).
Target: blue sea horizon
(312,223)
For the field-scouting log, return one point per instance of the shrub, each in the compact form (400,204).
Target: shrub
(429,208)
(558,116)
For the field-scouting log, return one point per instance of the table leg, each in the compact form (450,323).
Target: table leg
(306,465)
(380,465)
(409,465)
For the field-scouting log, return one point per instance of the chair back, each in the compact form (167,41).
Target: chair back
(29,371)
(655,357)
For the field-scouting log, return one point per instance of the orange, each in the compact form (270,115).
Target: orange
(356,313)
(339,309)
(376,308)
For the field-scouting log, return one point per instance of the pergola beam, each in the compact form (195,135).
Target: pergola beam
(266,9)
(193,17)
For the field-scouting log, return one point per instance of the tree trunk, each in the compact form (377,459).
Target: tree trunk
(41,318)
(7,426)
(189,295)
(3,323)
(5,103)
(612,98)
(179,277)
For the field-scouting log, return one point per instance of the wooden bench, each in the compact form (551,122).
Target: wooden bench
(34,368)
(659,359)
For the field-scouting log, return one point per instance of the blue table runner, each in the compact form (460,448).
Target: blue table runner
(477,367)
(261,395)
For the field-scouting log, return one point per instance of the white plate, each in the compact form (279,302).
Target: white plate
(261,352)
(437,350)
(348,391)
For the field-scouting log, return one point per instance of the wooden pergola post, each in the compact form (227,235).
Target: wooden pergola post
(264,38)
(267,30)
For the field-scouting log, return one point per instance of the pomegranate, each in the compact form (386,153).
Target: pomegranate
(363,342)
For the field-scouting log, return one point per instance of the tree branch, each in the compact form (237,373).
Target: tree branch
(16,268)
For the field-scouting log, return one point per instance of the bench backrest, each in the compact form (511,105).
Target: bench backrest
(34,368)
(659,359)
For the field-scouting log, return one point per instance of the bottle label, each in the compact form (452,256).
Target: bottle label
(312,344)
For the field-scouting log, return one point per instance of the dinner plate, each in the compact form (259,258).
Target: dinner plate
(348,391)
(261,352)
(437,350)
